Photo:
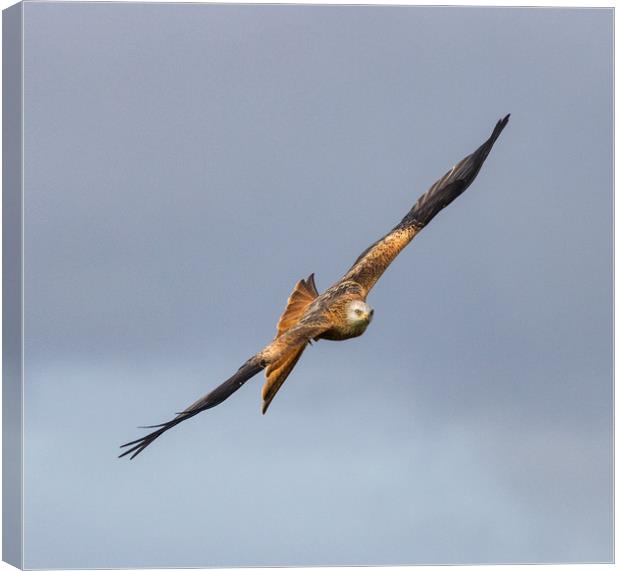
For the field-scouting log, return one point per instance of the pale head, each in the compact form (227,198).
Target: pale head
(359,312)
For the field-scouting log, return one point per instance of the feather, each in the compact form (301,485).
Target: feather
(303,294)
(276,373)
(373,261)
(215,397)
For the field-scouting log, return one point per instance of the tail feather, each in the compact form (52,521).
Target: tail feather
(215,397)
(277,372)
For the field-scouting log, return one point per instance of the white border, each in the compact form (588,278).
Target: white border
(482,3)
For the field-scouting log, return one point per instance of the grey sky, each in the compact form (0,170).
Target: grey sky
(186,164)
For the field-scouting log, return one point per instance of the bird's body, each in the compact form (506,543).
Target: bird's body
(341,311)
(351,317)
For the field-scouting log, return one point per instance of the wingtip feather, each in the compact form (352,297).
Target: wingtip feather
(499,127)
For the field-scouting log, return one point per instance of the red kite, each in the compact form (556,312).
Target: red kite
(341,311)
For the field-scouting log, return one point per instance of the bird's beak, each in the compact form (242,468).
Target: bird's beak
(369,315)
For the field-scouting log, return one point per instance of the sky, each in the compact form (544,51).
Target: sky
(185,165)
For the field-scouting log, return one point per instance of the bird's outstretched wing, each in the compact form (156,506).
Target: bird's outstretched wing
(373,261)
(215,397)
(286,344)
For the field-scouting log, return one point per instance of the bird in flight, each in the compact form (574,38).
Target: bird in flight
(341,311)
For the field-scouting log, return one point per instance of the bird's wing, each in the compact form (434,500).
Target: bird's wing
(218,395)
(371,263)
(296,337)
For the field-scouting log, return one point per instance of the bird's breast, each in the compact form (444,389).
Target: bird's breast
(343,331)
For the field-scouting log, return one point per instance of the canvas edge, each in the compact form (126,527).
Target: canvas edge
(12,285)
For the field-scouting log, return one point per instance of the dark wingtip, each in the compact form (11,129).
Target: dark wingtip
(215,397)
(125,453)
(138,445)
(499,127)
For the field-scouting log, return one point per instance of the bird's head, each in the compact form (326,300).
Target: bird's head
(359,313)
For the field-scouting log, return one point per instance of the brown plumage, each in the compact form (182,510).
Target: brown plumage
(341,311)
(303,294)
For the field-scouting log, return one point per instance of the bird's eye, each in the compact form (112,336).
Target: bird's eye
(358,312)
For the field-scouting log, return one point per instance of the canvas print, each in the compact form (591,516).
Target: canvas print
(298,285)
